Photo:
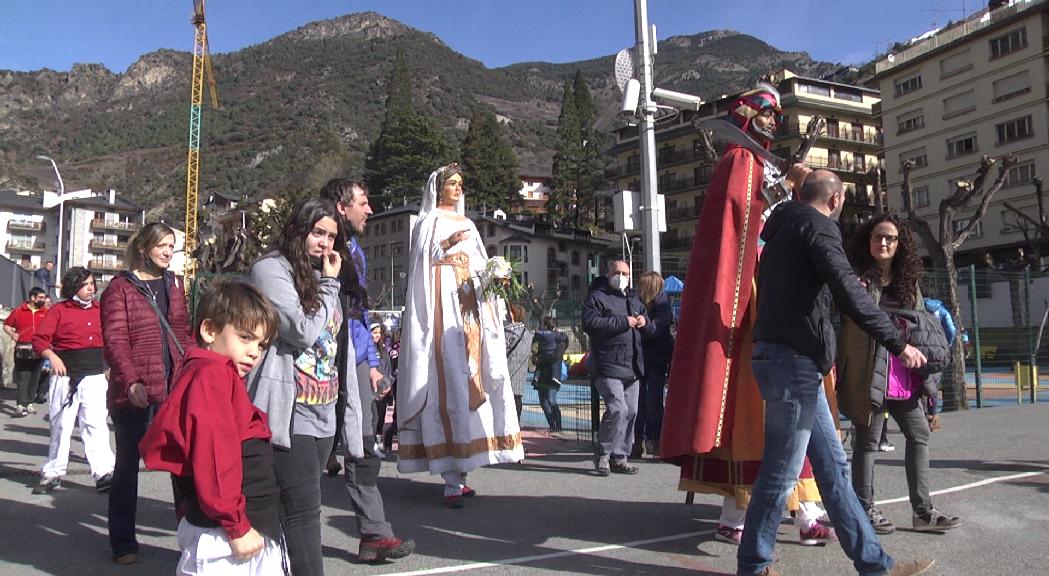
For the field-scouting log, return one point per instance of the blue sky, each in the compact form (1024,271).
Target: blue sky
(57,33)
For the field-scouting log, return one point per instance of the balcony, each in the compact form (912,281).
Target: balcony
(25,226)
(683,213)
(107,246)
(866,137)
(837,165)
(106,265)
(117,226)
(23,247)
(684,243)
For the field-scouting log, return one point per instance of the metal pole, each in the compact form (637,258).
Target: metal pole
(1033,366)
(976,335)
(61,214)
(647,137)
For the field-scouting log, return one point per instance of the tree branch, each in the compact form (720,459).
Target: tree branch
(916,223)
(1003,173)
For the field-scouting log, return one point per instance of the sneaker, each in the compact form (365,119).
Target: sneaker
(881,524)
(728,535)
(886,447)
(468,492)
(652,448)
(816,535)
(622,467)
(31,408)
(377,449)
(911,567)
(47,485)
(103,483)
(769,571)
(21,411)
(934,521)
(602,466)
(381,549)
(637,451)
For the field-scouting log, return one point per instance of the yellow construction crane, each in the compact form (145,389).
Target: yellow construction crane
(201,68)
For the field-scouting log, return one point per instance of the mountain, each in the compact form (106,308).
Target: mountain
(303,107)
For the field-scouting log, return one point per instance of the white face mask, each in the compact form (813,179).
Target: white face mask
(619,282)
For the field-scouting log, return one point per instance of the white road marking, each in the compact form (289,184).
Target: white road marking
(610,547)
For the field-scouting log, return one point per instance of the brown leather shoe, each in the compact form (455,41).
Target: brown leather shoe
(911,567)
(126,559)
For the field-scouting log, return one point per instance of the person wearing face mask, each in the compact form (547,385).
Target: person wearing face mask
(145,321)
(21,325)
(615,320)
(70,336)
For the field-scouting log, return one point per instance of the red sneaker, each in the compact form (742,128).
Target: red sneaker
(728,535)
(469,492)
(381,549)
(816,535)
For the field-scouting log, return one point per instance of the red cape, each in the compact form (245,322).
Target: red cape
(714,308)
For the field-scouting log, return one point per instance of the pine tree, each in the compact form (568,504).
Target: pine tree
(578,161)
(408,148)
(489,164)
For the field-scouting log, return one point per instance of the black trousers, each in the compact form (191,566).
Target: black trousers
(299,477)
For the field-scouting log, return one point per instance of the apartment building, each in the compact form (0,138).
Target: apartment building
(96,227)
(978,87)
(848,147)
(386,242)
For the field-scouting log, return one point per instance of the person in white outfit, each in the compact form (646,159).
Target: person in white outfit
(70,337)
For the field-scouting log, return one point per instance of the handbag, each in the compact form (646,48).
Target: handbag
(24,351)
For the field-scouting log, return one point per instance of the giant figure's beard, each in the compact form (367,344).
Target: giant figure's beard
(764,134)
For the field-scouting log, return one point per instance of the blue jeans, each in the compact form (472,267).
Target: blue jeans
(798,422)
(552,411)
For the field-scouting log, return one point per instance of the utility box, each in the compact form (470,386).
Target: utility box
(628,215)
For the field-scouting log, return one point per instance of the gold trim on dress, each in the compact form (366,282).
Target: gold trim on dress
(457,449)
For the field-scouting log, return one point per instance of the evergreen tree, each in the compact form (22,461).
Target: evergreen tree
(562,199)
(578,161)
(489,164)
(408,148)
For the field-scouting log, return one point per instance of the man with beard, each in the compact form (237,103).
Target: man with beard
(713,421)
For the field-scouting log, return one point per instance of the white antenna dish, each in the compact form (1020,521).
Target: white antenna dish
(624,68)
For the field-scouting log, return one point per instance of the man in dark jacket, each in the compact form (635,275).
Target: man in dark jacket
(802,267)
(614,318)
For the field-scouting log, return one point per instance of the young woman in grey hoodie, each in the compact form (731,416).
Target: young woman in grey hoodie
(297,383)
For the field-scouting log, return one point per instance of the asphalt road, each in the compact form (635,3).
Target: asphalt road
(551,515)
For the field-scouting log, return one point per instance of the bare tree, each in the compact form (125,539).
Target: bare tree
(1035,231)
(942,247)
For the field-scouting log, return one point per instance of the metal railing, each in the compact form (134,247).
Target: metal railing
(106,265)
(107,245)
(99,224)
(25,225)
(18,246)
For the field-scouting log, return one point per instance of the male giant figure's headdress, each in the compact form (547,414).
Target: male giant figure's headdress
(754,102)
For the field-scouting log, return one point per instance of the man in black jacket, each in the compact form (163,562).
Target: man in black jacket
(802,267)
(614,318)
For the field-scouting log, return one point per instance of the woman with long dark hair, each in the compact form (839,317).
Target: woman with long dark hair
(871,380)
(146,326)
(297,382)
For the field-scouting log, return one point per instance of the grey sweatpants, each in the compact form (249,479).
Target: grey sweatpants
(616,434)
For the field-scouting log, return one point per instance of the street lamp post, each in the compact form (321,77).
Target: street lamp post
(61,213)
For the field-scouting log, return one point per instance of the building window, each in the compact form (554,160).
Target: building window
(921,196)
(577,282)
(1021,174)
(701,175)
(551,255)
(956,64)
(814,89)
(959,104)
(1007,44)
(1014,130)
(1012,86)
(961,145)
(961,223)
(910,121)
(859,163)
(575,258)
(832,128)
(920,158)
(491,229)
(907,85)
(516,253)
(850,95)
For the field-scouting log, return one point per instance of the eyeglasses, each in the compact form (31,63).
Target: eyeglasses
(888,239)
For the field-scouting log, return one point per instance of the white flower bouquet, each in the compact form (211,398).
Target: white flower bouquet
(498,279)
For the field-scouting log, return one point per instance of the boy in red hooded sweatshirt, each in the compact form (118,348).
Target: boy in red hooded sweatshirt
(216,443)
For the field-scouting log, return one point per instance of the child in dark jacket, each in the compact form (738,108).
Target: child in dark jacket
(216,443)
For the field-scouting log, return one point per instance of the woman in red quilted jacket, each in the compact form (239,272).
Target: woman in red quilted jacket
(145,326)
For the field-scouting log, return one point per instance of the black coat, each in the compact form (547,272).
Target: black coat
(615,347)
(803,264)
(658,342)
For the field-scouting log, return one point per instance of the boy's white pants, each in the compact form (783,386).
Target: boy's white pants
(89,403)
(206,551)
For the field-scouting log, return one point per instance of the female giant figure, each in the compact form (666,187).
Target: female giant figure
(455,404)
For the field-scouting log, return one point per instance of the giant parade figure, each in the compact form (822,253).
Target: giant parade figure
(713,427)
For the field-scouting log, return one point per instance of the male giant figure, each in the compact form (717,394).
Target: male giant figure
(712,425)
(362,474)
